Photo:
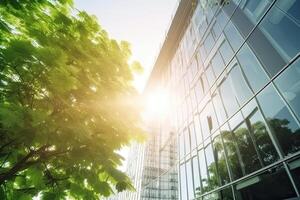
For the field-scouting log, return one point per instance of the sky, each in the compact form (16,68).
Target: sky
(143,23)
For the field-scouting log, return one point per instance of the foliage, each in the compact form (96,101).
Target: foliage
(66,103)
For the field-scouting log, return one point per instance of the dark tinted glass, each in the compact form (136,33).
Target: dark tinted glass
(226,194)
(232,152)
(220,160)
(262,141)
(289,85)
(272,41)
(272,184)
(183,187)
(280,119)
(295,171)
(252,68)
(246,148)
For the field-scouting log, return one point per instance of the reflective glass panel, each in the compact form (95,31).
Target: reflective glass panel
(209,42)
(198,129)
(239,85)
(233,36)
(217,63)
(193,136)
(252,68)
(246,148)
(212,168)
(232,152)
(183,187)
(196,175)
(203,171)
(262,140)
(220,112)
(187,141)
(281,121)
(271,184)
(181,145)
(189,177)
(220,160)
(226,52)
(228,96)
(289,85)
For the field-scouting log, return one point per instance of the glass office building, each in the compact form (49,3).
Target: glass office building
(233,71)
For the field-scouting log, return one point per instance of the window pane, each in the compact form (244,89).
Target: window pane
(221,115)
(199,90)
(233,36)
(226,194)
(196,175)
(246,148)
(232,154)
(212,168)
(262,139)
(187,141)
(183,188)
(280,120)
(189,177)
(289,85)
(217,64)
(228,97)
(295,171)
(193,136)
(239,85)
(203,171)
(226,52)
(220,160)
(209,43)
(252,68)
(198,129)
(181,145)
(210,75)
(273,44)
(271,184)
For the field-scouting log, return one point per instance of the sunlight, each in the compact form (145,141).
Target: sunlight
(157,104)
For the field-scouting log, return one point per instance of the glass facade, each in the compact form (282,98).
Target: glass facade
(235,85)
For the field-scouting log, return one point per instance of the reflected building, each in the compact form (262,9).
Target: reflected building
(232,70)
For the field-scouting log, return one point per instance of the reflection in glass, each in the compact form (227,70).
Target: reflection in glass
(220,160)
(198,129)
(283,16)
(233,36)
(281,121)
(250,158)
(294,167)
(181,145)
(226,52)
(220,112)
(193,136)
(252,68)
(189,177)
(271,184)
(210,75)
(239,85)
(217,63)
(261,138)
(183,188)
(289,85)
(212,169)
(232,152)
(196,175)
(203,170)
(187,143)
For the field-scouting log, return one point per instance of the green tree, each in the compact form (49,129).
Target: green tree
(66,103)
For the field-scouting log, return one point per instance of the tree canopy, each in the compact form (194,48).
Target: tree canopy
(66,103)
